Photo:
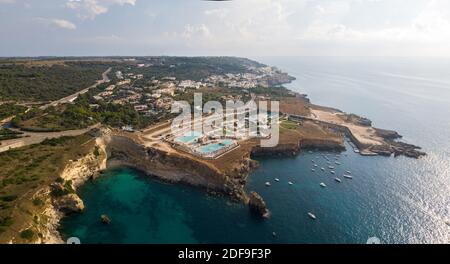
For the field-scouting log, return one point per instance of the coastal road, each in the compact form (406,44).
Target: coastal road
(30,138)
(72,97)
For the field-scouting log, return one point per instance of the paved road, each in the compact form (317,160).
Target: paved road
(74,96)
(37,137)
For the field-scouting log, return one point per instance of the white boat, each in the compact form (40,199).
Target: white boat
(322,168)
(330,167)
(333,172)
(290,183)
(337,162)
(312,216)
(268,184)
(315,165)
(312,161)
(323,184)
(348,172)
(356,150)
(337,179)
(277,180)
(348,176)
(313,170)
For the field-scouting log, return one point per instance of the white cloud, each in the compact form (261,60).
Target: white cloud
(314,27)
(89,9)
(7,1)
(61,23)
(58,23)
(195,31)
(220,12)
(268,27)
(430,25)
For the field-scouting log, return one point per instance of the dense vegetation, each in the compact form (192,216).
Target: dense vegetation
(7,110)
(212,94)
(83,113)
(6,133)
(272,91)
(190,68)
(37,82)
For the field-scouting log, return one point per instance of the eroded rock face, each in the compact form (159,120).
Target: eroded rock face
(70,203)
(257,205)
(170,167)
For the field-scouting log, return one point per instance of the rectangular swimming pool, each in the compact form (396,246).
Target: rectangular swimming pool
(210,148)
(189,137)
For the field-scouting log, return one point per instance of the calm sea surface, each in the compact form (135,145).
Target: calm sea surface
(398,200)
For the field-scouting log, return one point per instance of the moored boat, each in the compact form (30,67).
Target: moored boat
(312,216)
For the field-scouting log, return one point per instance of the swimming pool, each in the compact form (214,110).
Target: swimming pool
(189,137)
(210,148)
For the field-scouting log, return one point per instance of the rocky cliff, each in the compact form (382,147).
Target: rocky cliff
(61,196)
(172,167)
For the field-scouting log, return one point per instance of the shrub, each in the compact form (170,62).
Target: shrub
(59,180)
(8,198)
(38,202)
(6,221)
(27,234)
(96,151)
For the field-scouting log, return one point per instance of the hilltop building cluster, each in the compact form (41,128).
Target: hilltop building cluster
(152,95)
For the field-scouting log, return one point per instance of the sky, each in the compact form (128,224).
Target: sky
(235,28)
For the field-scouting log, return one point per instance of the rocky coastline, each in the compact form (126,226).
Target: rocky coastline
(112,150)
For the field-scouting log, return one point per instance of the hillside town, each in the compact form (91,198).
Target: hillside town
(158,94)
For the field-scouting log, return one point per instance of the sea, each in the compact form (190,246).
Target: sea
(396,200)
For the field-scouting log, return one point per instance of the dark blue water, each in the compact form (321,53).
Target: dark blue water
(399,200)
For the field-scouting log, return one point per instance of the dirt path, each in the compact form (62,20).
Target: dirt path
(30,138)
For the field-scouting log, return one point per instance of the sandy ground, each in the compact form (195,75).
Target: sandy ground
(365,135)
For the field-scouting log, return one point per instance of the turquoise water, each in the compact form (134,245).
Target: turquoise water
(214,146)
(399,200)
(189,137)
